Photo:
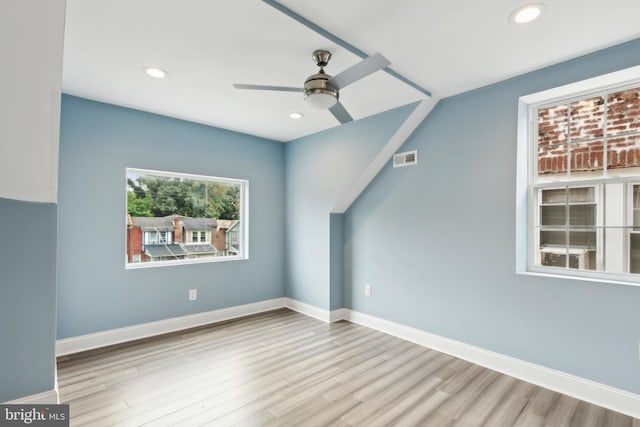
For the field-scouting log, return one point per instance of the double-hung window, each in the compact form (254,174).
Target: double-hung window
(579,179)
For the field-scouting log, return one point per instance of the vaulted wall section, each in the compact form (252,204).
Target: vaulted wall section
(436,242)
(319,169)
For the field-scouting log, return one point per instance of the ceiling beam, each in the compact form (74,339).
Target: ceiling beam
(340,42)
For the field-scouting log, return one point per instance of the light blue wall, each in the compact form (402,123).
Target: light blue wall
(98,141)
(28,299)
(436,242)
(336,261)
(319,169)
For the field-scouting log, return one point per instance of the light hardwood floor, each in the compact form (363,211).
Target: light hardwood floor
(283,368)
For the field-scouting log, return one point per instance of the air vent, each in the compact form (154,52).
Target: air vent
(408,158)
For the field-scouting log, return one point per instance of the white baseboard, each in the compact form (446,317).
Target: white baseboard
(339,314)
(145,330)
(308,309)
(315,312)
(48,397)
(571,385)
(580,388)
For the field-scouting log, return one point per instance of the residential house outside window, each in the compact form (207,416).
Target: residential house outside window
(172,218)
(579,179)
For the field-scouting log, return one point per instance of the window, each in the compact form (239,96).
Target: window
(579,179)
(171,217)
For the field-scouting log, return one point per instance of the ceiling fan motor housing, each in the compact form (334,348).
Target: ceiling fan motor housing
(318,87)
(318,92)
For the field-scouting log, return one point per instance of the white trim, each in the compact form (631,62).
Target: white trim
(403,133)
(308,309)
(44,398)
(603,82)
(590,391)
(339,314)
(129,333)
(317,313)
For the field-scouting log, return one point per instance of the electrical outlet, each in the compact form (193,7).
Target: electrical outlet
(367,290)
(193,294)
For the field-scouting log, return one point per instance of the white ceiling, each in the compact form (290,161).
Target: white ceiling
(446,46)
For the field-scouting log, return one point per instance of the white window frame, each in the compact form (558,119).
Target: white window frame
(525,194)
(535,212)
(243,227)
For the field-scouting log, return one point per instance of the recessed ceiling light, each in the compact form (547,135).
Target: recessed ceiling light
(155,72)
(527,13)
(296,115)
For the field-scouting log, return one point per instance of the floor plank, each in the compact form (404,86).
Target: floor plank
(282,368)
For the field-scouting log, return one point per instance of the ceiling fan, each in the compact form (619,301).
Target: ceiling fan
(321,90)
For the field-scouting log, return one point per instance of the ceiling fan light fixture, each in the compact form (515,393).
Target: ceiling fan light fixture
(321,100)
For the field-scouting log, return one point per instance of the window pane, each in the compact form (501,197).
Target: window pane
(634,259)
(582,214)
(623,154)
(550,259)
(587,117)
(553,125)
(583,239)
(553,238)
(553,215)
(585,260)
(552,162)
(623,112)
(554,196)
(582,194)
(586,159)
(553,132)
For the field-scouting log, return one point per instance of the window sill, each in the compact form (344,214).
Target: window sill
(608,281)
(143,265)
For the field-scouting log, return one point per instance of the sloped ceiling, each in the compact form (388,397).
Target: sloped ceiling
(447,47)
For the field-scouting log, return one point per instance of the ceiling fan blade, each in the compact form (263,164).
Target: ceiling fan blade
(340,113)
(262,87)
(362,69)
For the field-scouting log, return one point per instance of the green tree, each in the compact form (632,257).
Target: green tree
(138,206)
(163,196)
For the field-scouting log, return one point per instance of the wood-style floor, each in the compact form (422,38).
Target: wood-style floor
(283,368)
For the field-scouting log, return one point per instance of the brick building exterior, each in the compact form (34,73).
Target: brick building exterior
(590,125)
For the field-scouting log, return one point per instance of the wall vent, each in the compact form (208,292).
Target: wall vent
(408,158)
